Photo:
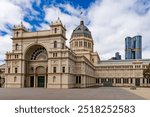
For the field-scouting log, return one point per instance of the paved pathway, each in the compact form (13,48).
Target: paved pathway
(101,93)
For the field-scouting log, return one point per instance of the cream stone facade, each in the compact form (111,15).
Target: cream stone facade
(42,59)
(2,75)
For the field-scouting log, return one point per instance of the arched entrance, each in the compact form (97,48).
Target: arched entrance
(36,67)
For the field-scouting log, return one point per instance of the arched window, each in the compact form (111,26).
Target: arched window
(17,33)
(55,44)
(39,54)
(54,78)
(16,70)
(15,79)
(16,46)
(55,30)
(63,45)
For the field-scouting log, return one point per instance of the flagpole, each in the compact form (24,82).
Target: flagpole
(81,16)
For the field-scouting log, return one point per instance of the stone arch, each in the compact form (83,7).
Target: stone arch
(27,49)
(36,61)
(36,52)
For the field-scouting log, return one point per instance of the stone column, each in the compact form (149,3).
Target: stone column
(122,81)
(84,82)
(129,79)
(133,81)
(34,80)
(141,82)
(145,82)
(45,81)
(114,81)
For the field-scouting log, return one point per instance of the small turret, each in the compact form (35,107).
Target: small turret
(58,28)
(18,30)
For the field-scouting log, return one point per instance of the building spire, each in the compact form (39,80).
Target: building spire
(21,24)
(81,16)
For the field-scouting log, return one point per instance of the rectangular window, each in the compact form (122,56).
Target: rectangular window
(16,70)
(118,81)
(110,80)
(143,81)
(103,80)
(131,81)
(76,44)
(80,43)
(54,54)
(78,79)
(89,45)
(125,80)
(97,80)
(85,44)
(54,69)
(63,69)
(148,81)
(16,56)
(8,70)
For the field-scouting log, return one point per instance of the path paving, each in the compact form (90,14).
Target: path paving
(101,93)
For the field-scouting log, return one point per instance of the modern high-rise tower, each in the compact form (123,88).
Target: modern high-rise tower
(133,47)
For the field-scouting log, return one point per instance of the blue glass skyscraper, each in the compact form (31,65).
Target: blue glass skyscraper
(133,47)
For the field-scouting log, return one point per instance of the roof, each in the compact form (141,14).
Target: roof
(82,30)
(124,62)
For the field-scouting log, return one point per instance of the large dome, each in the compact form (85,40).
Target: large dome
(81,30)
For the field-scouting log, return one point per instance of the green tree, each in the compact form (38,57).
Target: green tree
(146,72)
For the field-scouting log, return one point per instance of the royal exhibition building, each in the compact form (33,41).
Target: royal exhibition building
(42,59)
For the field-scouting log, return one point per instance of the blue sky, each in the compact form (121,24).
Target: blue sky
(79,4)
(110,21)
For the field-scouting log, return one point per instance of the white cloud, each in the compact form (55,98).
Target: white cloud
(71,10)
(5,45)
(12,14)
(110,21)
(69,20)
(9,15)
(113,20)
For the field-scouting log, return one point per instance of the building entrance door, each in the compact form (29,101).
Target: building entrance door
(107,84)
(137,82)
(41,81)
(32,81)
